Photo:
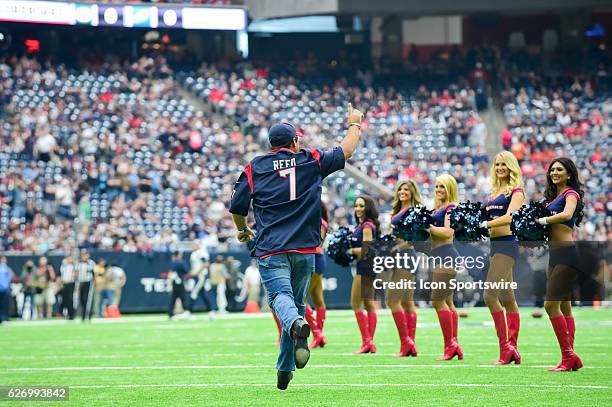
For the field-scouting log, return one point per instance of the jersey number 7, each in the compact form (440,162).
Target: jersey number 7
(292,182)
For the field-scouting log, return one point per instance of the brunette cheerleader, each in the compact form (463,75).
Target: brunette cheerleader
(507,196)
(362,295)
(446,198)
(564,195)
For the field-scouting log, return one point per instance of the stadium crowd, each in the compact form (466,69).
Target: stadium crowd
(563,116)
(113,157)
(119,151)
(406,134)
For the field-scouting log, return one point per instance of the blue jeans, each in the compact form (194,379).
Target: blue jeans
(105,295)
(286,277)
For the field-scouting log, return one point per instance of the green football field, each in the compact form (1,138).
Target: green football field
(151,361)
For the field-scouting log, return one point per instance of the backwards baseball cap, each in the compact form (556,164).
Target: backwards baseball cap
(282,134)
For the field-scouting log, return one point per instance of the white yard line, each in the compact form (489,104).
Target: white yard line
(207,355)
(451,365)
(365,385)
(203,322)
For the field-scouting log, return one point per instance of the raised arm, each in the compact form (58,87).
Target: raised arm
(351,140)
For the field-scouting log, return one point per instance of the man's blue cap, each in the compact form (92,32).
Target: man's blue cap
(282,134)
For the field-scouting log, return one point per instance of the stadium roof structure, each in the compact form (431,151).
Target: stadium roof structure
(411,8)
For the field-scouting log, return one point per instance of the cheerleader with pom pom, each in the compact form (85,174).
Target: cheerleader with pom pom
(368,227)
(507,197)
(401,302)
(564,195)
(446,200)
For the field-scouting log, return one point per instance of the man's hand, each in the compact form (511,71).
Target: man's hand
(354,115)
(351,140)
(245,235)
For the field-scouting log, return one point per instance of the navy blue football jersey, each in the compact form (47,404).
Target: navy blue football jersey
(285,189)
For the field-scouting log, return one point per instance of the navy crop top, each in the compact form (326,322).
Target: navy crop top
(397,218)
(357,238)
(558,204)
(439,215)
(498,206)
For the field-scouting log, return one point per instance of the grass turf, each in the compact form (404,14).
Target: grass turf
(152,361)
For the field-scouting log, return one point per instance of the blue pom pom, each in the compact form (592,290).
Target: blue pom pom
(525,224)
(414,224)
(465,219)
(338,245)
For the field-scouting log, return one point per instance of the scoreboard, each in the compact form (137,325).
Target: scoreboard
(128,16)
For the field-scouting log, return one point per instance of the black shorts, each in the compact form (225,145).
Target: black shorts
(364,268)
(566,256)
(506,245)
(448,250)
(320,263)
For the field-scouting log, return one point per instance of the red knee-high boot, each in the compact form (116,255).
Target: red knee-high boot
(280,328)
(451,348)
(320,317)
(318,338)
(514,325)
(411,321)
(571,329)
(366,338)
(372,320)
(455,317)
(311,320)
(569,359)
(507,352)
(407,344)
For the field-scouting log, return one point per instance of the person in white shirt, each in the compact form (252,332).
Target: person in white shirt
(218,277)
(251,284)
(44,147)
(64,196)
(117,280)
(199,267)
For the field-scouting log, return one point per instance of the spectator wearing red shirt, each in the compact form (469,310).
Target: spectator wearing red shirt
(506,136)
(215,96)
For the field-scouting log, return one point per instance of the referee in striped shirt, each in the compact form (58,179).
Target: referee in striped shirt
(68,278)
(85,281)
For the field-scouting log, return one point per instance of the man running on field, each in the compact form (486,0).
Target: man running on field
(284,187)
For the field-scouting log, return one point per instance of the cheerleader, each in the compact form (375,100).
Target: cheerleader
(315,290)
(368,226)
(507,196)
(446,198)
(401,302)
(564,195)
